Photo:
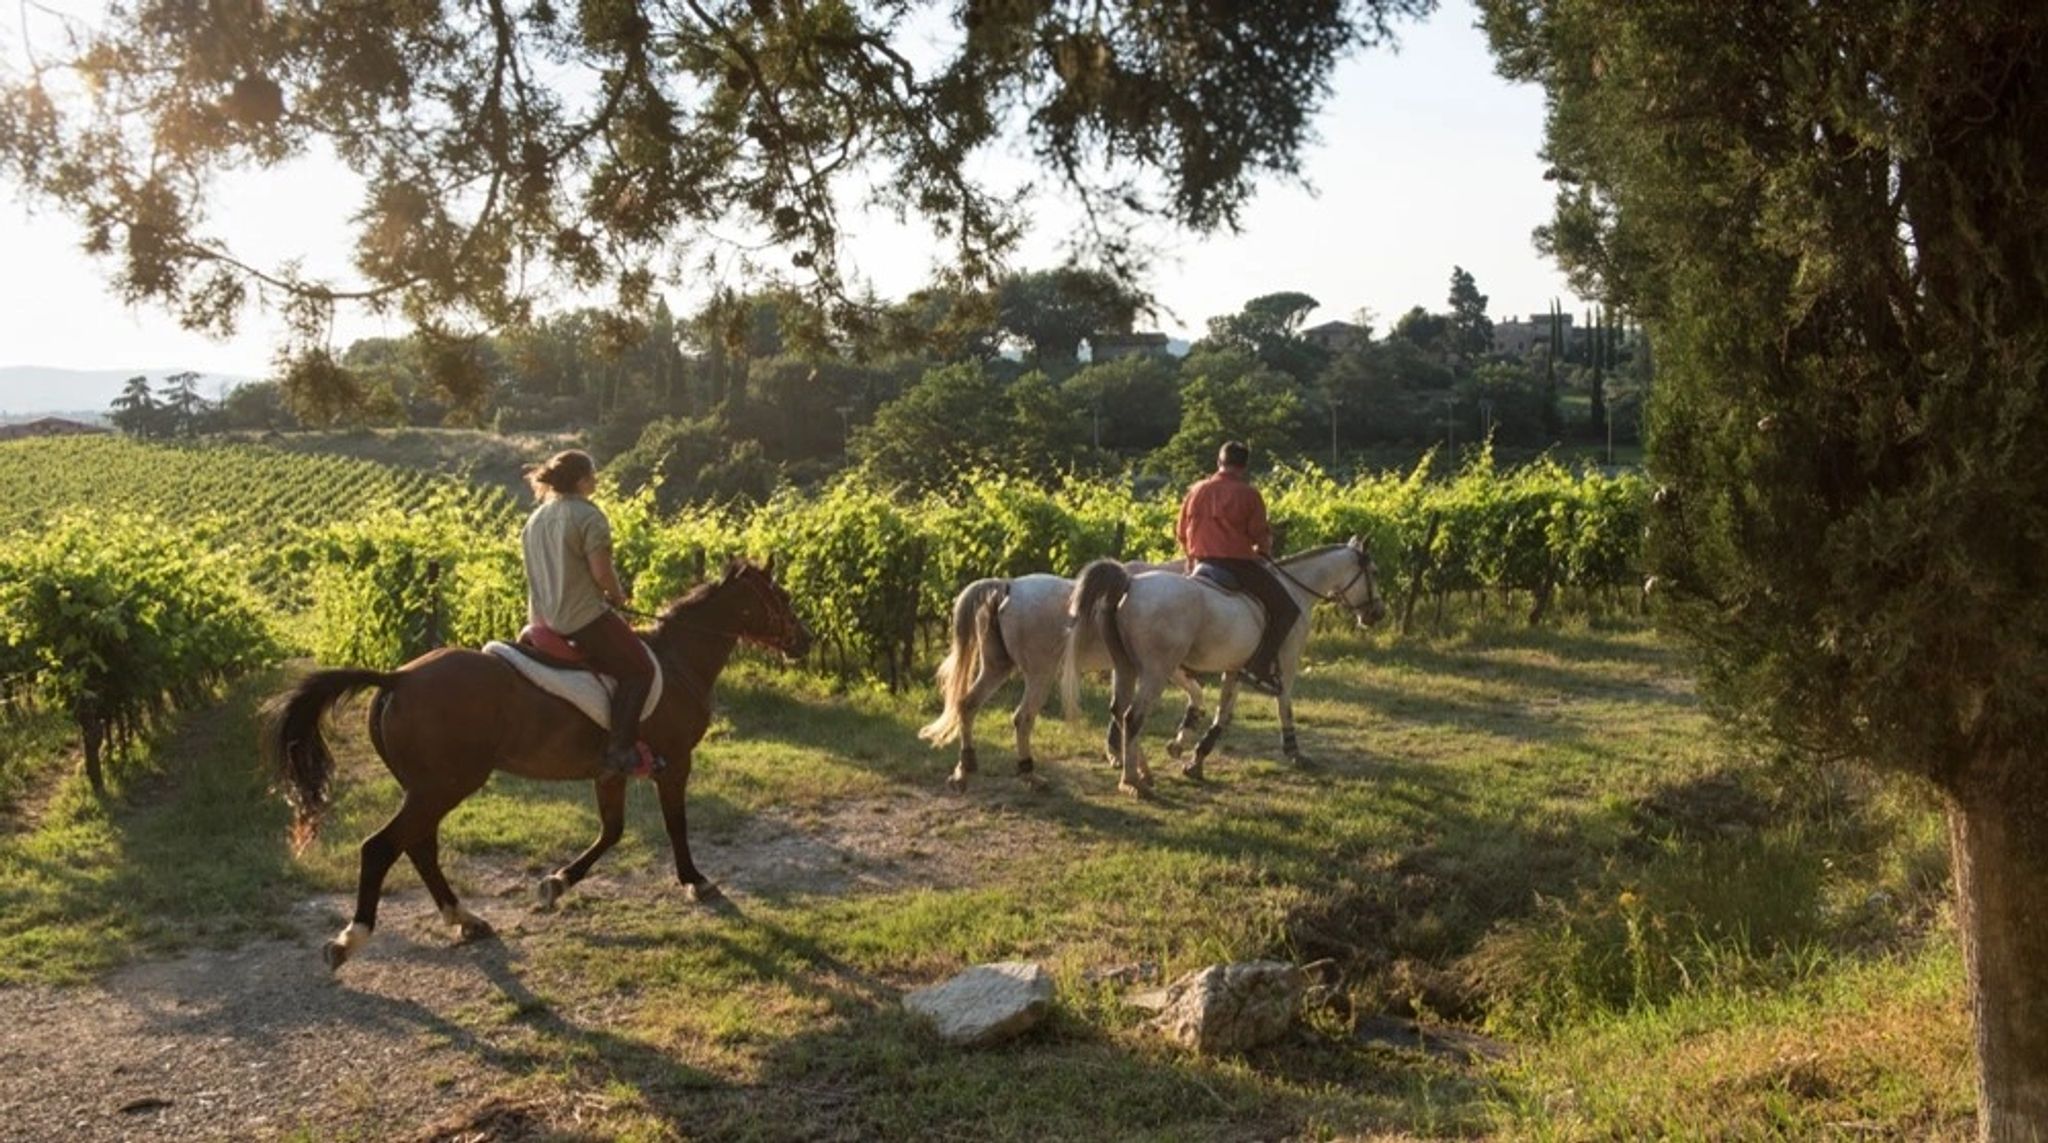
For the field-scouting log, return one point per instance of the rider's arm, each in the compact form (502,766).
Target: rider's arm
(1257,526)
(607,576)
(1180,532)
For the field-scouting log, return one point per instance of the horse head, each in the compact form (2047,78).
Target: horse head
(1362,594)
(744,604)
(763,613)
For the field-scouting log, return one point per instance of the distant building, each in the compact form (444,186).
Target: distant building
(1335,336)
(1519,337)
(1110,346)
(47,427)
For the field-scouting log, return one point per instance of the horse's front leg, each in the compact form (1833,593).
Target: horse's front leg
(1189,719)
(611,816)
(1226,709)
(673,786)
(1288,744)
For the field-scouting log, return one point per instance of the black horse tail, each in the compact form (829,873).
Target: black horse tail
(1098,592)
(977,648)
(294,750)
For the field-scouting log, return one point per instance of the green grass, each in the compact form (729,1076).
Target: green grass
(1536,833)
(186,849)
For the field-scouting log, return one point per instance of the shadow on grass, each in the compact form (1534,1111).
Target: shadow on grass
(195,850)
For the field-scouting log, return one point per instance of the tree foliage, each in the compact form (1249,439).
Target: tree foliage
(1470,331)
(1834,216)
(508,143)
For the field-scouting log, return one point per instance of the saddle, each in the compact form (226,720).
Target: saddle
(545,659)
(1216,576)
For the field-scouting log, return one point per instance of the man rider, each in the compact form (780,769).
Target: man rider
(1223,522)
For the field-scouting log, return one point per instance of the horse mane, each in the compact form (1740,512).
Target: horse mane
(1312,553)
(689,601)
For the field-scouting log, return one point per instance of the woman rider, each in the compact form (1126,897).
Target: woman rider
(571,587)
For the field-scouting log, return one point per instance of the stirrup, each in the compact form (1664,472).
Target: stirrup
(1266,683)
(638,762)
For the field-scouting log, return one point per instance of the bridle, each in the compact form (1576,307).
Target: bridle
(1343,594)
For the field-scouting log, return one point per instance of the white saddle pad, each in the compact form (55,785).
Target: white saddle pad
(589,693)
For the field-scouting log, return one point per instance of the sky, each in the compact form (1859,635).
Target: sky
(1426,160)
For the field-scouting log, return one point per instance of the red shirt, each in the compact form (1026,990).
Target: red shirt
(1224,517)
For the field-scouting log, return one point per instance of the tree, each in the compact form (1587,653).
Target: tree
(1269,329)
(506,144)
(1426,331)
(1229,395)
(1470,332)
(1053,311)
(943,425)
(1833,220)
(1131,404)
(182,406)
(135,409)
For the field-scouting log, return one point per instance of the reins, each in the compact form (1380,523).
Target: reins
(1337,596)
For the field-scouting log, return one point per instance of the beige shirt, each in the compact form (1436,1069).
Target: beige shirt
(558,540)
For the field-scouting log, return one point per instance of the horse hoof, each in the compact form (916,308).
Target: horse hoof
(1140,790)
(1175,749)
(474,929)
(704,892)
(335,954)
(956,782)
(1025,765)
(1302,762)
(1193,772)
(549,891)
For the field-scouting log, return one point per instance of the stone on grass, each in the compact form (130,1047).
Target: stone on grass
(985,1005)
(1233,1007)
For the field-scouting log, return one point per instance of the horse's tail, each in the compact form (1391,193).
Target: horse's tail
(294,750)
(977,648)
(1098,592)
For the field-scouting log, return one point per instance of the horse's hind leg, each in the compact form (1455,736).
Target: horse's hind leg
(986,684)
(1137,777)
(1037,689)
(611,816)
(426,857)
(414,820)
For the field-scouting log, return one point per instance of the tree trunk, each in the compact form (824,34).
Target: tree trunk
(93,738)
(1999,843)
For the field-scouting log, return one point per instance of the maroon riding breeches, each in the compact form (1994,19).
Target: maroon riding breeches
(610,646)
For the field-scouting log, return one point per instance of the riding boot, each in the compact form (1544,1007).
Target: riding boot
(1262,670)
(622,753)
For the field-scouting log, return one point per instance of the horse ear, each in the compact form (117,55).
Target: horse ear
(732,567)
(1356,543)
(769,567)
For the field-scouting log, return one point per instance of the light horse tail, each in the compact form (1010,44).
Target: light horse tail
(295,751)
(977,650)
(1098,592)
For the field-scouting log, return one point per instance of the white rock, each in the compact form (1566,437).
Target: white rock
(1232,1007)
(985,1005)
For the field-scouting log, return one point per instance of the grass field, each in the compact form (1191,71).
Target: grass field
(1536,835)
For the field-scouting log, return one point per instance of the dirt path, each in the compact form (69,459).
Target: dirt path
(261,1041)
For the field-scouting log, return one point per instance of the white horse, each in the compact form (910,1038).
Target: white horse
(1156,625)
(1003,627)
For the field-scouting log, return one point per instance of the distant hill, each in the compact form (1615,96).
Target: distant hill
(31,391)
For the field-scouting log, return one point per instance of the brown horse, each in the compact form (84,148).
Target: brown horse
(447,719)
